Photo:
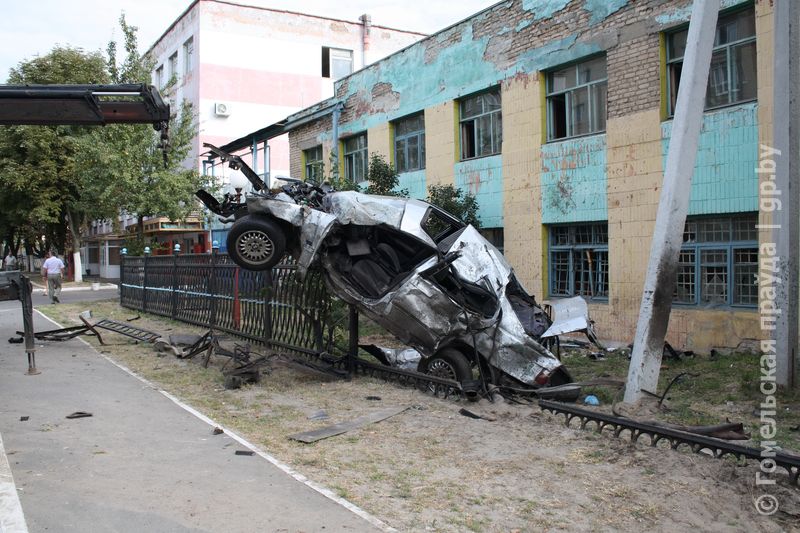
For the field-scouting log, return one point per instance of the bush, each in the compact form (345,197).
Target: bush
(455,201)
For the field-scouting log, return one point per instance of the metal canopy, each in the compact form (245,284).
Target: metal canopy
(43,105)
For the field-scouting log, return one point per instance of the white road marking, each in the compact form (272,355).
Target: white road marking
(241,440)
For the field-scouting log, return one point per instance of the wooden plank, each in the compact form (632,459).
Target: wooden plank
(343,427)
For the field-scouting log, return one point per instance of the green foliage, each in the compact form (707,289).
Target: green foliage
(56,178)
(336,180)
(455,201)
(383,178)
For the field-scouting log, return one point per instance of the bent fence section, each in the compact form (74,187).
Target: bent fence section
(274,307)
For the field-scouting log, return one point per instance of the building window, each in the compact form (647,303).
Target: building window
(579,260)
(481,125)
(159,77)
(313,164)
(336,63)
(355,158)
(718,262)
(732,77)
(172,65)
(495,236)
(409,143)
(188,55)
(576,99)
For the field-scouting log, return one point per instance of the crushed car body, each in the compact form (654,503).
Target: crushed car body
(429,279)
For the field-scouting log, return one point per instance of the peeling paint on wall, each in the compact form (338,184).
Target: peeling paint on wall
(724,179)
(574,180)
(523,24)
(601,9)
(483,177)
(544,9)
(680,14)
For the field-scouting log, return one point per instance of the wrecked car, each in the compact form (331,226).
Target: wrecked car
(429,279)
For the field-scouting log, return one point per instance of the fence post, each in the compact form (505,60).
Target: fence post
(122,254)
(144,278)
(175,254)
(212,286)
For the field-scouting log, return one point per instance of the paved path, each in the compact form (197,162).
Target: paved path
(140,463)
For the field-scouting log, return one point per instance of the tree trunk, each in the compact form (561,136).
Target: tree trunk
(76,246)
(140,228)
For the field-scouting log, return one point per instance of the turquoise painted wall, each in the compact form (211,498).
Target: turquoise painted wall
(483,177)
(574,180)
(415,183)
(724,179)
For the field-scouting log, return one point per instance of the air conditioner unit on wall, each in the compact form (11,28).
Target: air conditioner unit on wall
(221,109)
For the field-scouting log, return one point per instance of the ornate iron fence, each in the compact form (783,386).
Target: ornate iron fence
(273,307)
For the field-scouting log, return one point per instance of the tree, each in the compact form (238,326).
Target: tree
(383,178)
(126,167)
(455,201)
(38,164)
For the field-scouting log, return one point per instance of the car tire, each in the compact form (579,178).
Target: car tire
(448,363)
(256,243)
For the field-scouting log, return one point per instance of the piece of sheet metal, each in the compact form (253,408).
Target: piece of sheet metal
(570,315)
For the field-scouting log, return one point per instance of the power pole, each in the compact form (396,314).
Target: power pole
(785,204)
(673,203)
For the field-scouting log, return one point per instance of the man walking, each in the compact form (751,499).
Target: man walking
(53,270)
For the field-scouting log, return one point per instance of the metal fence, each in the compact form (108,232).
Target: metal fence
(273,307)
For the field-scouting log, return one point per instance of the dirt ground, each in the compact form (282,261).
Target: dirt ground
(432,469)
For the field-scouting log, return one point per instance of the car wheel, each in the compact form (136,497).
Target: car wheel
(256,243)
(448,363)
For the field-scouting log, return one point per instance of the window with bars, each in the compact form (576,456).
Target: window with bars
(578,256)
(576,99)
(409,143)
(718,262)
(732,77)
(481,125)
(355,158)
(313,164)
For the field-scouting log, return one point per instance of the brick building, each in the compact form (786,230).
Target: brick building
(557,116)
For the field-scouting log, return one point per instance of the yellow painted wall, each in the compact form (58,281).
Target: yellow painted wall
(379,139)
(522,212)
(440,144)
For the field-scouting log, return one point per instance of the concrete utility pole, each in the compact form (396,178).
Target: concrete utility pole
(786,214)
(673,204)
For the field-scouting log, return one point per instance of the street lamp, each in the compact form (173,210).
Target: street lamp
(238,181)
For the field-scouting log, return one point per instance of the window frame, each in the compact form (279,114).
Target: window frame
(495,120)
(669,62)
(313,168)
(730,247)
(568,92)
(159,77)
(188,54)
(572,246)
(419,134)
(350,157)
(330,53)
(172,65)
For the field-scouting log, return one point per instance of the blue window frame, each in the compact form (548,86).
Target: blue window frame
(718,262)
(409,143)
(578,263)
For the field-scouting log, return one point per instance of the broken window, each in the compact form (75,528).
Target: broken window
(336,63)
(355,158)
(481,125)
(576,99)
(732,76)
(159,77)
(718,262)
(313,164)
(579,260)
(409,143)
(494,236)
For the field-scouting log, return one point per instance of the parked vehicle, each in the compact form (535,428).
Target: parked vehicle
(435,283)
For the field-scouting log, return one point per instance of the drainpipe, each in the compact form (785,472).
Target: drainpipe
(366,23)
(337,109)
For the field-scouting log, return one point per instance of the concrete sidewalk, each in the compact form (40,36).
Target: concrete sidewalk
(142,462)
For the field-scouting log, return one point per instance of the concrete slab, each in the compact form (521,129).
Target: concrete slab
(142,462)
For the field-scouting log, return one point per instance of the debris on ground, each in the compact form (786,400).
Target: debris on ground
(217,431)
(79,414)
(244,452)
(24,418)
(343,427)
